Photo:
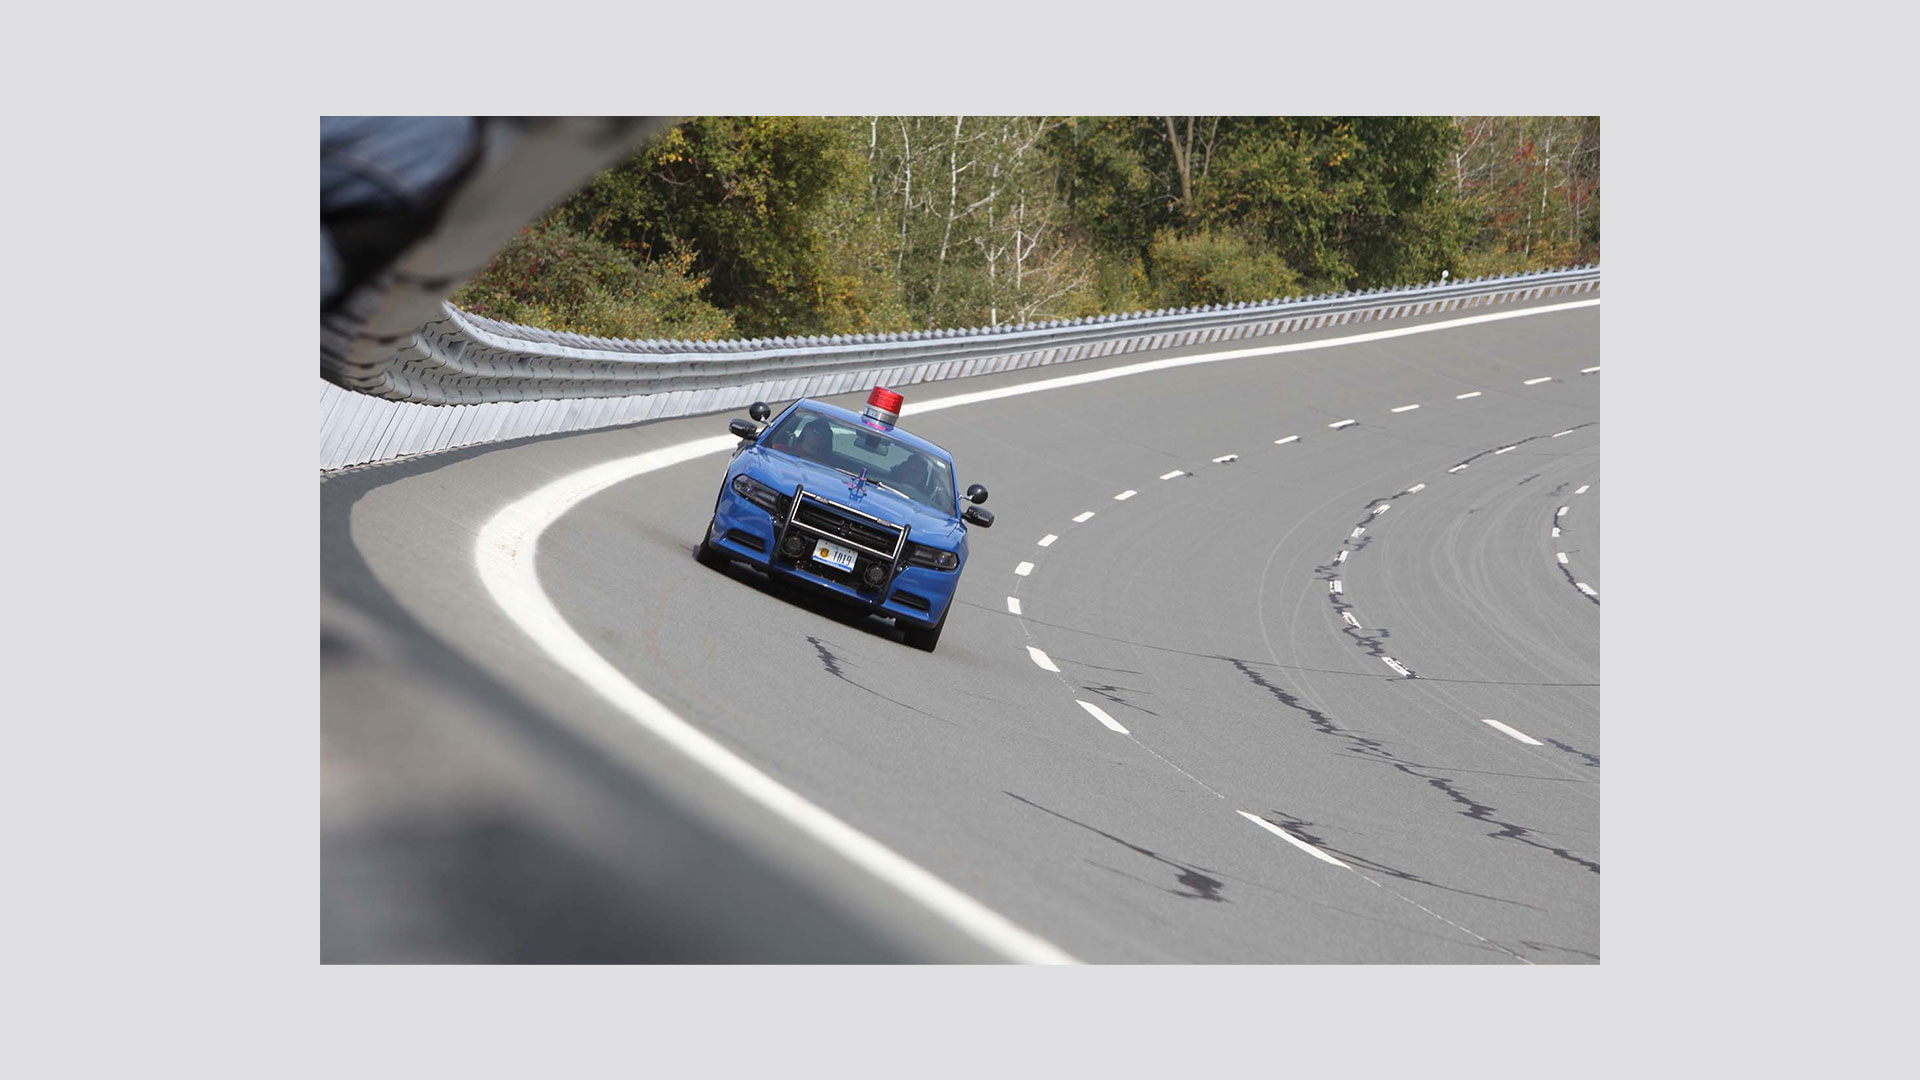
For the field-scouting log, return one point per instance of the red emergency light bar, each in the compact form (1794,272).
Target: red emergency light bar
(883,406)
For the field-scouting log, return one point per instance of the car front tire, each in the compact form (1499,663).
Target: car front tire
(925,638)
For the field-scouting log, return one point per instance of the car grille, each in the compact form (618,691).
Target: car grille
(879,538)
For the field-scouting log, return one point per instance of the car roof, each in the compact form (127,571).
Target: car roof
(851,417)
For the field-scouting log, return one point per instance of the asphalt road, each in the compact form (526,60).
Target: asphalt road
(1305,645)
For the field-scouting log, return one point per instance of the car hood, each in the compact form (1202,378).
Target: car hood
(782,472)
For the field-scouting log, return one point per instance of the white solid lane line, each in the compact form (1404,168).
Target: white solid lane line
(1562,556)
(1013,604)
(505,554)
(1285,441)
(1289,838)
(1404,408)
(1047,540)
(1463,397)
(1125,495)
(1525,738)
(1582,489)
(1171,475)
(1338,424)
(1045,662)
(1541,379)
(1023,569)
(1224,458)
(1101,715)
(1078,518)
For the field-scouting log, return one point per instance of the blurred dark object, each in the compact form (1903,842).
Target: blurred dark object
(411,207)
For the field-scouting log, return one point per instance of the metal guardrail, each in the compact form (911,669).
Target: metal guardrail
(466,380)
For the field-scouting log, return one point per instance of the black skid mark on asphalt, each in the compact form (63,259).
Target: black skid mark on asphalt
(1541,946)
(1112,693)
(1558,489)
(1374,749)
(831,662)
(1523,480)
(1195,885)
(1373,639)
(1567,571)
(1521,442)
(1301,829)
(1592,760)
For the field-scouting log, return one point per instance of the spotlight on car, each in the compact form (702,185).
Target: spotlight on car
(875,575)
(794,546)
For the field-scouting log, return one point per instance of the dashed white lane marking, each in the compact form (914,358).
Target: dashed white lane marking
(1541,379)
(1562,556)
(1351,621)
(1125,495)
(1047,540)
(1340,556)
(1224,458)
(1416,487)
(1101,715)
(1504,449)
(1357,530)
(1562,512)
(1522,736)
(1289,838)
(1174,473)
(1381,509)
(1333,586)
(1285,441)
(1557,434)
(1556,531)
(1456,468)
(1078,518)
(1046,663)
(1589,370)
(1338,424)
(1023,569)
(1582,489)
(1013,604)
(1404,408)
(1463,397)
(1396,665)
(1585,588)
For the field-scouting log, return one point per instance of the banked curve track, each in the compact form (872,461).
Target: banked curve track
(1323,688)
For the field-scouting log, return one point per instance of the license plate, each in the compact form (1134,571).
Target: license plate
(833,554)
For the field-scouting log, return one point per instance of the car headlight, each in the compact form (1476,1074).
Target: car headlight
(933,558)
(759,494)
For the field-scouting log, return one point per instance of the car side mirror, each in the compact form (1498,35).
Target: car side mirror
(973,515)
(743,428)
(759,411)
(978,494)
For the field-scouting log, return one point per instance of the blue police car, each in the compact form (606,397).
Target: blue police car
(848,503)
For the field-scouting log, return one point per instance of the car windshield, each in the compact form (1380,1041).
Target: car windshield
(850,448)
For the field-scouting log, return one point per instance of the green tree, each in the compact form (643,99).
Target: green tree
(549,276)
(1209,267)
(751,201)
